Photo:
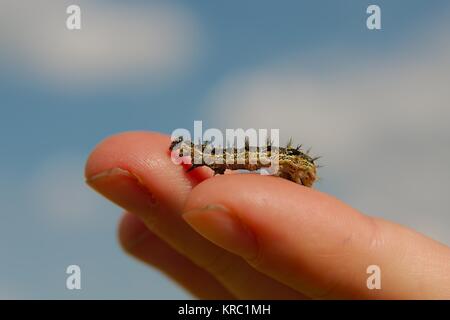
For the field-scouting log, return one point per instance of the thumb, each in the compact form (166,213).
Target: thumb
(315,243)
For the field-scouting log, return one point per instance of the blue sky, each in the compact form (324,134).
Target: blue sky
(49,122)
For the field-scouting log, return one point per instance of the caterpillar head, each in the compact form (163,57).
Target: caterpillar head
(297,166)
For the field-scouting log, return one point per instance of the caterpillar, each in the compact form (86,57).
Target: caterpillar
(293,163)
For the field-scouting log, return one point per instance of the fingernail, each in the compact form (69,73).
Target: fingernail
(123,188)
(219,225)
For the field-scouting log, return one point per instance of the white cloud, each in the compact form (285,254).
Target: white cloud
(57,193)
(382,126)
(118,41)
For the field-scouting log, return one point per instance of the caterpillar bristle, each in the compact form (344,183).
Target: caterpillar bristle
(289,144)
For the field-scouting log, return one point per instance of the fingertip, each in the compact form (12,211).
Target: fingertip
(113,151)
(145,156)
(131,231)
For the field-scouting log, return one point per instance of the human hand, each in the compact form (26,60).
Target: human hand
(248,236)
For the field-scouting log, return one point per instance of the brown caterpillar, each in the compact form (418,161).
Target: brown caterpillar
(293,163)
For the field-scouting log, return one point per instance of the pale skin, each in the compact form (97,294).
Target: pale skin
(247,236)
